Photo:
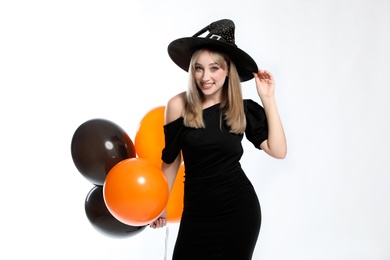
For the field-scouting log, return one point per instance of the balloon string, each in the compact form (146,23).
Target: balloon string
(166,242)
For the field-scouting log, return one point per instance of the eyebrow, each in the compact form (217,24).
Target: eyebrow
(211,64)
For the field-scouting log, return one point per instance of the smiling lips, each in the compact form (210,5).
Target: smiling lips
(207,85)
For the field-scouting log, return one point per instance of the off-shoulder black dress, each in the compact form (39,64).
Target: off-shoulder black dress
(221,217)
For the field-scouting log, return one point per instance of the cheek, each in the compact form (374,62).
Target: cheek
(197,81)
(197,76)
(223,77)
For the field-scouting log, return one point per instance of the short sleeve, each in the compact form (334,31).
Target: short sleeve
(172,147)
(256,123)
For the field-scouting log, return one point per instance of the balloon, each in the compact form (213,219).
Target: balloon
(102,220)
(149,140)
(136,191)
(98,145)
(175,202)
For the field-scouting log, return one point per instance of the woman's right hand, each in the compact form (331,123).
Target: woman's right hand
(161,221)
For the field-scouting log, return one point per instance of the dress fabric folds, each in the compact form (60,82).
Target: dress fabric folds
(221,216)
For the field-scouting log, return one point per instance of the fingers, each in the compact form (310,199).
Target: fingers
(158,223)
(263,74)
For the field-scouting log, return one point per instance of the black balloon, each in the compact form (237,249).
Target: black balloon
(102,220)
(97,146)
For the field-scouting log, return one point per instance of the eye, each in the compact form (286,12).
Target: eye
(198,68)
(214,68)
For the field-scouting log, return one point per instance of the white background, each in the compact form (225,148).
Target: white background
(65,62)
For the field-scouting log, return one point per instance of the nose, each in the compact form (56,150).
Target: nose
(206,76)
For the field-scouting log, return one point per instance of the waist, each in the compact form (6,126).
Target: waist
(229,191)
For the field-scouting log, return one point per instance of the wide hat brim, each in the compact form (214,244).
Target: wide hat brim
(180,51)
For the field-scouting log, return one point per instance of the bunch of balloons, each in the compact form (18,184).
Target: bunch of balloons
(129,189)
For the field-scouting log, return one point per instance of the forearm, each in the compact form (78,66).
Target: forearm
(170,171)
(275,145)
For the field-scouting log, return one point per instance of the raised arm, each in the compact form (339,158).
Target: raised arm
(275,145)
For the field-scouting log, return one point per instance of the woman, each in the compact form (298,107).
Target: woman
(221,217)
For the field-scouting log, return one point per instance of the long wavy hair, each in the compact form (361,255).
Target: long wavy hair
(231,107)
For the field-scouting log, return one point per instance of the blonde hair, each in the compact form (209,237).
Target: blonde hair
(231,108)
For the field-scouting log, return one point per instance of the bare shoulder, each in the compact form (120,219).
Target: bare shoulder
(175,107)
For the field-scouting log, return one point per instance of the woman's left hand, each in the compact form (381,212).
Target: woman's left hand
(265,83)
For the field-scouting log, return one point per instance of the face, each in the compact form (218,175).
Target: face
(209,75)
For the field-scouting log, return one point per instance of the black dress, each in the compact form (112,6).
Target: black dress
(221,217)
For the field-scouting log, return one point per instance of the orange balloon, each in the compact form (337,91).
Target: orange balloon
(149,140)
(135,191)
(175,202)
